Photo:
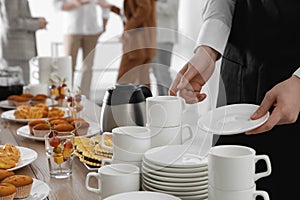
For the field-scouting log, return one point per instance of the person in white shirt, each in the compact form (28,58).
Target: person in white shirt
(259,45)
(167,30)
(82,30)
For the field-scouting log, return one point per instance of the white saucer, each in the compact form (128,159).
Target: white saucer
(174,175)
(40,190)
(145,195)
(175,180)
(176,189)
(185,184)
(174,169)
(174,156)
(231,119)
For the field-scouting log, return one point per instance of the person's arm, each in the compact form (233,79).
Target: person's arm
(16,22)
(142,12)
(167,7)
(217,18)
(285,97)
(68,5)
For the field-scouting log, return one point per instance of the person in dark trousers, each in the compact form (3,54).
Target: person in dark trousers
(260,48)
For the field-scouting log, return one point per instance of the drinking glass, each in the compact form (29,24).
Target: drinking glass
(60,153)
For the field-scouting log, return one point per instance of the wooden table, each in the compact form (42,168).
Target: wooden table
(70,188)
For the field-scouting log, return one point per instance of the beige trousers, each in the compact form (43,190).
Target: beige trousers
(87,43)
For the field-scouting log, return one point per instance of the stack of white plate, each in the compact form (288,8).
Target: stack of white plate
(173,170)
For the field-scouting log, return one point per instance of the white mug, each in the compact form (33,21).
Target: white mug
(129,142)
(164,111)
(161,136)
(35,89)
(115,179)
(249,194)
(63,67)
(232,167)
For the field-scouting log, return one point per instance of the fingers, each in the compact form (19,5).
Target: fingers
(173,89)
(270,123)
(264,107)
(189,74)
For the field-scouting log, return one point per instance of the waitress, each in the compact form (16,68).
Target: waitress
(260,48)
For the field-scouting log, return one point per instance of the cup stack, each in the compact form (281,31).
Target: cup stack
(164,115)
(231,173)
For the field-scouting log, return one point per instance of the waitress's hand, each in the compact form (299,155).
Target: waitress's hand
(43,22)
(192,77)
(285,97)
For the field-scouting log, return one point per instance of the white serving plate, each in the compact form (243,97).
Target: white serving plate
(174,156)
(231,119)
(144,195)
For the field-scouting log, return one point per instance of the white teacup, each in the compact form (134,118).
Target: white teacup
(249,194)
(129,142)
(115,179)
(164,111)
(35,89)
(232,167)
(161,136)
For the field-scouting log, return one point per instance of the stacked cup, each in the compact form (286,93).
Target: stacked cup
(164,120)
(129,144)
(231,173)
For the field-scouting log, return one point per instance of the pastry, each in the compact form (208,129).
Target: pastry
(27,95)
(81,127)
(44,108)
(55,112)
(58,121)
(35,113)
(5,173)
(40,130)
(22,183)
(38,99)
(21,101)
(11,100)
(9,156)
(32,123)
(7,191)
(62,128)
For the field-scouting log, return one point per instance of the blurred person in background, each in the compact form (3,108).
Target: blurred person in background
(139,38)
(82,29)
(167,29)
(259,44)
(20,44)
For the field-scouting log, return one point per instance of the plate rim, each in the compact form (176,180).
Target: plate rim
(35,156)
(4,104)
(261,120)
(175,180)
(171,197)
(37,181)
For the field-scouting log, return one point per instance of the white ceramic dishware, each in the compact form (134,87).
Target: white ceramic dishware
(231,119)
(164,111)
(106,161)
(114,179)
(145,195)
(129,142)
(248,194)
(161,136)
(35,89)
(39,190)
(237,164)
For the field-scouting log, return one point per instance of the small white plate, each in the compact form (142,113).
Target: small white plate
(27,156)
(231,119)
(174,175)
(40,190)
(10,116)
(174,169)
(174,156)
(185,184)
(149,188)
(176,189)
(4,104)
(145,195)
(175,180)
(24,132)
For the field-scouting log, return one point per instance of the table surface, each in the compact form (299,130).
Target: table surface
(70,188)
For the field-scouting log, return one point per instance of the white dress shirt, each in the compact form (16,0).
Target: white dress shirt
(217,19)
(82,20)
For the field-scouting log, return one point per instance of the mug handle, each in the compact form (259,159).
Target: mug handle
(186,126)
(268,163)
(263,194)
(105,161)
(102,141)
(87,179)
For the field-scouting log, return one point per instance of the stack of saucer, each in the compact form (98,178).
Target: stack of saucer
(173,170)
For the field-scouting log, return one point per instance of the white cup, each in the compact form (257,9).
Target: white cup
(164,111)
(232,167)
(129,142)
(249,194)
(35,89)
(115,179)
(44,68)
(161,136)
